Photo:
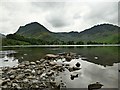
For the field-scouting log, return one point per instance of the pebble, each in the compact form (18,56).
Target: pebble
(32,63)
(12,77)
(38,74)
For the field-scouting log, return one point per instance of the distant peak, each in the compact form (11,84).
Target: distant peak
(33,23)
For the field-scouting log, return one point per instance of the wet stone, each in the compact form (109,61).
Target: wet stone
(27,70)
(20,76)
(38,74)
(38,62)
(32,63)
(12,77)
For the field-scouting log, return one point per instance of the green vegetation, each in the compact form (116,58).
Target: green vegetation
(13,39)
(36,34)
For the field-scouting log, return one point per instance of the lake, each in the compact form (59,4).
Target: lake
(98,63)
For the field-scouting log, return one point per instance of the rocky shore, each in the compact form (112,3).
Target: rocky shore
(39,74)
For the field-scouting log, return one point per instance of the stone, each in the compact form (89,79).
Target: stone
(14,84)
(11,72)
(18,70)
(74,76)
(78,64)
(26,80)
(42,60)
(68,58)
(51,56)
(50,73)
(33,71)
(37,62)
(32,63)
(96,85)
(15,67)
(5,82)
(27,70)
(20,76)
(21,66)
(31,77)
(39,72)
(52,63)
(96,57)
(71,69)
(27,63)
(12,77)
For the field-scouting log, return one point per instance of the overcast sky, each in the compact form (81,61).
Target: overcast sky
(57,16)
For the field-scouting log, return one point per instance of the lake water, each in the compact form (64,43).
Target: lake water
(101,64)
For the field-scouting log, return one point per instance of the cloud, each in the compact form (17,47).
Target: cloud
(57,16)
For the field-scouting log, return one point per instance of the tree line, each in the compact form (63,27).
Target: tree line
(14,39)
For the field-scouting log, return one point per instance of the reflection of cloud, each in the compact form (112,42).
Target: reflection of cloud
(108,77)
(56,16)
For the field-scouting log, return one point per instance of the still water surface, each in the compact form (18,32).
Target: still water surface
(103,69)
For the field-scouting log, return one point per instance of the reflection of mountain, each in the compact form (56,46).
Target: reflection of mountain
(107,56)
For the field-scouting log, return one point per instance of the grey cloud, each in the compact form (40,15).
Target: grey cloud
(58,22)
(107,12)
(56,16)
(48,5)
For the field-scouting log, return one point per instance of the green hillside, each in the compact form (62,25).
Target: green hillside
(35,33)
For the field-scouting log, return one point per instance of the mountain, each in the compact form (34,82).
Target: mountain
(101,33)
(106,33)
(33,30)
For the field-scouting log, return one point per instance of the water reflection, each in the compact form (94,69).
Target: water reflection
(105,55)
(8,61)
(97,63)
(91,73)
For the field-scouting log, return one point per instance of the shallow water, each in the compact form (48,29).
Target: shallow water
(91,73)
(101,64)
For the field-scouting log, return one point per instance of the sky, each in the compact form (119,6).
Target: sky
(57,15)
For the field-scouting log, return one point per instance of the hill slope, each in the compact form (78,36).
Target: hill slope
(100,33)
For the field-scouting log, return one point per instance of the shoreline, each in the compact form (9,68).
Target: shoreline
(63,45)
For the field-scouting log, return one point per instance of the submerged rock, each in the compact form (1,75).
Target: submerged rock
(93,86)
(74,76)
(71,69)
(68,58)
(78,64)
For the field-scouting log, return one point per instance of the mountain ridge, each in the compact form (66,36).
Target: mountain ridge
(36,33)
(87,35)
